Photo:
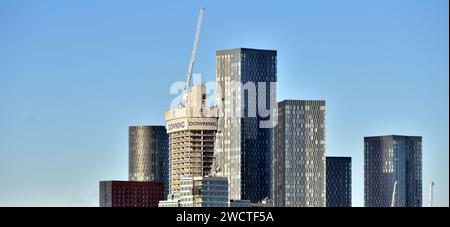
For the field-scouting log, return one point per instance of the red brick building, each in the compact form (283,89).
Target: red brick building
(130,193)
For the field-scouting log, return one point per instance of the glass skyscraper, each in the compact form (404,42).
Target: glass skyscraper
(149,154)
(390,159)
(299,157)
(246,87)
(339,181)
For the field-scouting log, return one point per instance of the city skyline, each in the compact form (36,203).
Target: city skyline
(58,87)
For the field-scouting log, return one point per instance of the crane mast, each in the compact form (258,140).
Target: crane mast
(192,61)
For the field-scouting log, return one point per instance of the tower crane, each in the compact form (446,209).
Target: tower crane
(187,86)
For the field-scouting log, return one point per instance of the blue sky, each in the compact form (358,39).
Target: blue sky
(75,74)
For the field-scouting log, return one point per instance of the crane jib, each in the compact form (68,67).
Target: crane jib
(192,61)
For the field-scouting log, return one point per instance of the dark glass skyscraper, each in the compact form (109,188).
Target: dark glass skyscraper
(339,181)
(390,159)
(149,154)
(299,158)
(246,80)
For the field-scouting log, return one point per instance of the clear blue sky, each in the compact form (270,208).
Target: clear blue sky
(75,74)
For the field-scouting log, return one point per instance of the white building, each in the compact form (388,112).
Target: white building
(200,192)
(192,130)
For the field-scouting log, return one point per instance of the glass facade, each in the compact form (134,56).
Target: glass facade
(243,149)
(339,181)
(390,159)
(149,154)
(204,192)
(299,157)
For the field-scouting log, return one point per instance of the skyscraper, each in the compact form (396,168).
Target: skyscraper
(339,181)
(192,130)
(389,160)
(299,159)
(148,154)
(246,96)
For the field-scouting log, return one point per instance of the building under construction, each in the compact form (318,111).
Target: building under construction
(191,128)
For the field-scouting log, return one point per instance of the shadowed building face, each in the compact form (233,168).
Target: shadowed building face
(339,181)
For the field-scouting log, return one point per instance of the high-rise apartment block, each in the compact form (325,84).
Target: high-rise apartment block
(339,181)
(299,173)
(388,161)
(148,154)
(246,96)
(192,130)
